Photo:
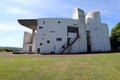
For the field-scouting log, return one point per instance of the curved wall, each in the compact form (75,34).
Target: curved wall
(79,15)
(94,22)
(106,39)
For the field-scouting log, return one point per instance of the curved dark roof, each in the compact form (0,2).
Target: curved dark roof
(30,23)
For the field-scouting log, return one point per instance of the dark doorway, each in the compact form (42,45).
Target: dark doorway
(88,41)
(38,50)
(30,48)
(68,41)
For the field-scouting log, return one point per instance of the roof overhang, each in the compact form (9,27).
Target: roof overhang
(29,23)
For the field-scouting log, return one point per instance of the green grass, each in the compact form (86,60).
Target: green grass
(88,67)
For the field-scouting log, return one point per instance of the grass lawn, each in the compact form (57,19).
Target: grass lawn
(60,67)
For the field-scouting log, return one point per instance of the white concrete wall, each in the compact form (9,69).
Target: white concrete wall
(95,28)
(106,38)
(27,38)
(26,47)
(81,44)
(50,31)
(27,42)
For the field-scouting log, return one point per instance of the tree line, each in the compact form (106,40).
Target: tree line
(115,37)
(8,50)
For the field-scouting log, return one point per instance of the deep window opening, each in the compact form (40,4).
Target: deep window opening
(40,43)
(52,31)
(58,39)
(63,46)
(43,22)
(40,27)
(58,21)
(48,41)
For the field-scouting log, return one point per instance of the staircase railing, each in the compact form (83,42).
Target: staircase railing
(63,47)
(66,45)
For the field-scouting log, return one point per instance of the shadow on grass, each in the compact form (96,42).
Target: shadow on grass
(83,53)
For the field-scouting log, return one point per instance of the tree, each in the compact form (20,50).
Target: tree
(115,37)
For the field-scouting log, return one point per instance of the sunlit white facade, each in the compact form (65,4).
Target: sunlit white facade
(82,33)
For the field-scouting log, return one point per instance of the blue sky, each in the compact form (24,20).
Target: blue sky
(11,32)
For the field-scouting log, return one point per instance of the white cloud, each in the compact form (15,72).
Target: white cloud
(11,38)
(27,2)
(13,27)
(19,11)
(12,35)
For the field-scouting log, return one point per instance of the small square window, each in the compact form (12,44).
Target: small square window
(40,27)
(63,46)
(74,24)
(52,31)
(58,21)
(48,41)
(40,43)
(58,39)
(43,22)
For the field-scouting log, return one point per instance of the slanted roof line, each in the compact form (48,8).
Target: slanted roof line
(30,23)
